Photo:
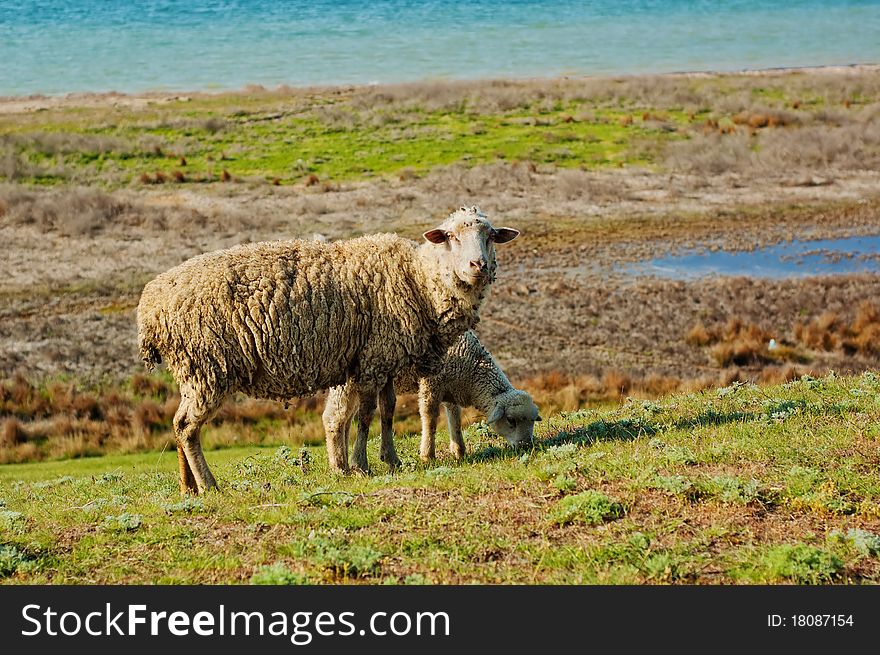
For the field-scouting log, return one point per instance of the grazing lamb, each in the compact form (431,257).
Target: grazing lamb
(283,319)
(469,377)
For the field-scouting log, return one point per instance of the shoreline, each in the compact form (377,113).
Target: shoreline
(13,104)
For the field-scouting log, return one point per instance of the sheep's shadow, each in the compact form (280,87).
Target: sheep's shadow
(623,430)
(711,417)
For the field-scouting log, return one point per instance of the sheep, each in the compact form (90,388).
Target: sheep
(469,377)
(281,319)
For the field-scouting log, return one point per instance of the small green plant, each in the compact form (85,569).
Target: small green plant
(124,522)
(678,485)
(564,482)
(10,559)
(188,505)
(9,519)
(799,563)
(730,489)
(864,542)
(343,560)
(590,507)
(277,574)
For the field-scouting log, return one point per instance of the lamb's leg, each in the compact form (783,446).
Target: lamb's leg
(429,410)
(387,402)
(453,420)
(338,412)
(193,412)
(366,411)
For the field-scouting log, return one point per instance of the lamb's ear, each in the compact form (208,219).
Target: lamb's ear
(504,234)
(435,236)
(496,414)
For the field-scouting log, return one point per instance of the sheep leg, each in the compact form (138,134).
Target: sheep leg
(338,413)
(366,411)
(187,481)
(429,410)
(387,402)
(453,420)
(191,415)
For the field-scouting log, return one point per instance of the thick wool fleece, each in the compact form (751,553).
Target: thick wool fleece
(288,318)
(469,377)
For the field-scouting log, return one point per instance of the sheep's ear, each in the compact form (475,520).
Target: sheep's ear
(496,414)
(435,236)
(504,234)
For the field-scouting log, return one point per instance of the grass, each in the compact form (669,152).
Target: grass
(743,484)
(708,125)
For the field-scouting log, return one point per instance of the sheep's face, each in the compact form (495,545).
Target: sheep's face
(468,240)
(513,417)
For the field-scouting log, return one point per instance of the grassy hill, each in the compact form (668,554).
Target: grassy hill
(743,484)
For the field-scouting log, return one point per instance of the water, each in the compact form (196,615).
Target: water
(58,46)
(784,260)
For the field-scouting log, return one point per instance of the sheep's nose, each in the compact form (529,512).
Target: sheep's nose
(479,265)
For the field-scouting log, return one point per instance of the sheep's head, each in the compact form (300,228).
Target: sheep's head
(468,240)
(513,417)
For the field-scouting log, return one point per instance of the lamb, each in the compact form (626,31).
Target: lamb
(469,377)
(282,319)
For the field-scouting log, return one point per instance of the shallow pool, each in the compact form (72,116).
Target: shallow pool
(788,259)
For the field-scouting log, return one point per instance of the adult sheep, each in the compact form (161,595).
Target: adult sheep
(282,319)
(468,377)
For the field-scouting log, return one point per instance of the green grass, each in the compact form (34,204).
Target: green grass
(745,484)
(293,147)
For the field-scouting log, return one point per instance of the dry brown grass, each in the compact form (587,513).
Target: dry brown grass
(863,334)
(12,433)
(820,332)
(737,343)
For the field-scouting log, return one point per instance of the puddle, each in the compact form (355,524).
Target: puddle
(789,259)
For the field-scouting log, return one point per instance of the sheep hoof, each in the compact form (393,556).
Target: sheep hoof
(361,471)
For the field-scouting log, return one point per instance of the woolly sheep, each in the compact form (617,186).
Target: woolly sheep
(282,319)
(469,377)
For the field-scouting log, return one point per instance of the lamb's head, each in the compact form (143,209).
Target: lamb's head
(513,416)
(465,243)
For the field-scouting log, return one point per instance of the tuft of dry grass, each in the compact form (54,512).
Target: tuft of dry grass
(737,343)
(12,433)
(863,335)
(820,332)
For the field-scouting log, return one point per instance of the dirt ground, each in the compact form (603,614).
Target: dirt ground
(68,288)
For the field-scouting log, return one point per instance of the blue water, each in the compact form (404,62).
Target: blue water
(790,259)
(58,46)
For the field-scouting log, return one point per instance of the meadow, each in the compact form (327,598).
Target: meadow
(741,484)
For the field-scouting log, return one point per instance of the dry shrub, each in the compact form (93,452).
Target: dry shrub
(617,383)
(22,399)
(737,343)
(659,385)
(863,335)
(819,333)
(710,154)
(25,452)
(147,417)
(12,433)
(698,335)
(780,374)
(148,385)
